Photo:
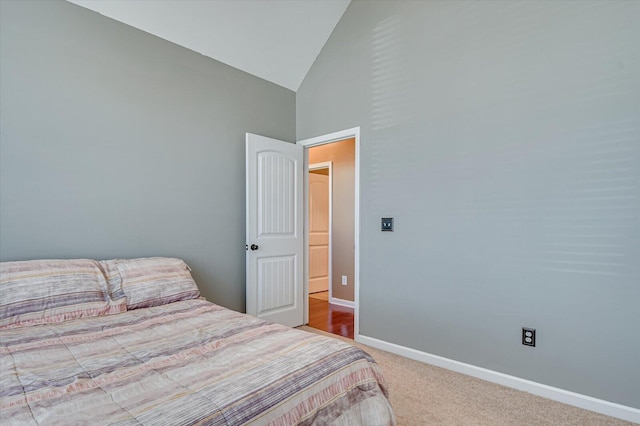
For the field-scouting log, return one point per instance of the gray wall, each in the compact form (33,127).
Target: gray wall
(115,143)
(504,139)
(342,156)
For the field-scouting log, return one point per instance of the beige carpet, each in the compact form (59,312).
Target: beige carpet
(422,394)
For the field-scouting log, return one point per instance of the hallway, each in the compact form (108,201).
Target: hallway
(333,319)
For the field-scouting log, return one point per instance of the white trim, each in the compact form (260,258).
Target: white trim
(305,237)
(567,397)
(354,132)
(317,166)
(341,302)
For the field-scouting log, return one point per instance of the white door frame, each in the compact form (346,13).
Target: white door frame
(322,140)
(318,166)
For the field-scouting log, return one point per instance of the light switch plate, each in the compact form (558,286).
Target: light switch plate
(386,224)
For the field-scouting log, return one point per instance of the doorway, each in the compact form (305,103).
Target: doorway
(331,268)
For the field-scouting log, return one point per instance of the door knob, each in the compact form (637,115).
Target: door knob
(254,247)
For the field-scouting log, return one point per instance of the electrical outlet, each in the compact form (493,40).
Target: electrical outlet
(529,336)
(344,280)
(386,224)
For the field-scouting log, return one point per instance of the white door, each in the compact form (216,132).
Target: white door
(318,230)
(275,244)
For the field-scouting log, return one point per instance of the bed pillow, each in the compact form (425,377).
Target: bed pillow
(114,283)
(48,291)
(155,281)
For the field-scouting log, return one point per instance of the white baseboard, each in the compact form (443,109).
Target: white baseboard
(567,397)
(342,302)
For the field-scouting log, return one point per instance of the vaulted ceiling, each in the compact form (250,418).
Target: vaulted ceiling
(277,40)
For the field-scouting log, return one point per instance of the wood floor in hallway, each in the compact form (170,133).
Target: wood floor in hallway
(333,319)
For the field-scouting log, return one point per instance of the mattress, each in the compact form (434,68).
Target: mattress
(185,363)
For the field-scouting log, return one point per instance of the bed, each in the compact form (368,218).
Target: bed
(138,346)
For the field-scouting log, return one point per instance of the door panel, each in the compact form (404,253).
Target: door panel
(318,232)
(318,269)
(274,171)
(276,197)
(276,284)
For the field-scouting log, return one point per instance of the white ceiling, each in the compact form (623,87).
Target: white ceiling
(277,40)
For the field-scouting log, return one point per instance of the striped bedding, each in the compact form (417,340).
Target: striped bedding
(187,362)
(49,291)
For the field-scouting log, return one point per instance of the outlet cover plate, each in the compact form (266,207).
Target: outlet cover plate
(529,336)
